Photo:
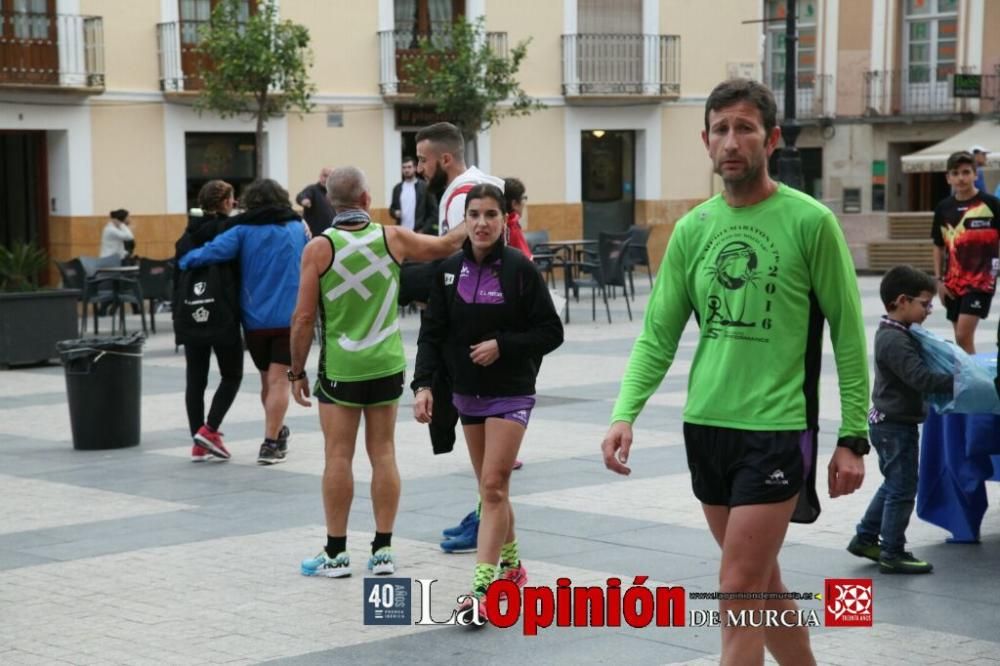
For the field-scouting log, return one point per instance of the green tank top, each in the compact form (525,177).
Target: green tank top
(358,311)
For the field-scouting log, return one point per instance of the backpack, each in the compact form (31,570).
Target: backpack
(206,307)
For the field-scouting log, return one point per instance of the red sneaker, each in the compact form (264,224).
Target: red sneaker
(199,453)
(518,574)
(211,440)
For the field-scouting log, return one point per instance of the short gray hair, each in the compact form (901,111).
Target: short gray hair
(345,185)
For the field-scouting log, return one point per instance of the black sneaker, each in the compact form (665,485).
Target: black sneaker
(271,453)
(904,563)
(283,436)
(863,548)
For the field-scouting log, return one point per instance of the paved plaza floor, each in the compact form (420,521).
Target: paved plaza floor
(137,556)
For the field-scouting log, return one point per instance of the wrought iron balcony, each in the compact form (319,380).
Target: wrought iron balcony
(621,65)
(399,46)
(919,92)
(811,95)
(53,51)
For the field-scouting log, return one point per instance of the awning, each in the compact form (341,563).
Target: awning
(985,133)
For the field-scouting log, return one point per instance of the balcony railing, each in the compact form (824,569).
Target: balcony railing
(811,95)
(51,50)
(399,46)
(914,92)
(617,65)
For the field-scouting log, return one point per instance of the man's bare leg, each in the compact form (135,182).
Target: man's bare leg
(750,537)
(340,430)
(275,398)
(380,428)
(965,332)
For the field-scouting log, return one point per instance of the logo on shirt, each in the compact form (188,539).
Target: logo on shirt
(200,315)
(199,288)
(741,263)
(449,278)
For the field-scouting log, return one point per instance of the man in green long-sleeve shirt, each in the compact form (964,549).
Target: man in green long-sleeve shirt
(761,266)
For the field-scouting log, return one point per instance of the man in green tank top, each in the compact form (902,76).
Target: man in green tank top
(761,266)
(350,281)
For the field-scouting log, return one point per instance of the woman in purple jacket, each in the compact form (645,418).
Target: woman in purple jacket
(490,319)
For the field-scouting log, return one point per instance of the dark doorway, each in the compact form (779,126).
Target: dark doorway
(24,213)
(210,156)
(608,180)
(812,170)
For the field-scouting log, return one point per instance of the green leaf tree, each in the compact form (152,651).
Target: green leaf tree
(256,66)
(465,79)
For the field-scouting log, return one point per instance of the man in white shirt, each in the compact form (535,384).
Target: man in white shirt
(441,160)
(116,234)
(412,206)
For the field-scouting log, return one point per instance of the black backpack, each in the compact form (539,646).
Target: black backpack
(206,306)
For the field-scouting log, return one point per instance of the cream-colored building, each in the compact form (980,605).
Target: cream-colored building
(96,105)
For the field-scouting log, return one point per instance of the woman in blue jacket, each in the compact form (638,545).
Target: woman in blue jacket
(267,239)
(489,320)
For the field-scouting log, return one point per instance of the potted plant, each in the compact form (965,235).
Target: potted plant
(32,319)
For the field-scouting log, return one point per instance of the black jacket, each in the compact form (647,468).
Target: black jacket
(526,326)
(199,230)
(425,213)
(320,213)
(902,377)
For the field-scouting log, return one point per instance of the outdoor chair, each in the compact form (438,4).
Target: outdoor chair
(609,271)
(156,284)
(638,254)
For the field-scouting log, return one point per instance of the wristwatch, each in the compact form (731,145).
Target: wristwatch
(293,377)
(857,445)
(419,389)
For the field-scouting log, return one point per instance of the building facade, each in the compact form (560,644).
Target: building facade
(96,105)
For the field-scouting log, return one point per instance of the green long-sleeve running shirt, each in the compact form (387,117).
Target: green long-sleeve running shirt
(761,280)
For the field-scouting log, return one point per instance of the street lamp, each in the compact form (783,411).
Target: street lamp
(789,161)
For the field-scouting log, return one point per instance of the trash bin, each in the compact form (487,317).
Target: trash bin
(104,388)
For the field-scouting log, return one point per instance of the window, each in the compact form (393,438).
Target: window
(31,19)
(424,18)
(805,66)
(931,40)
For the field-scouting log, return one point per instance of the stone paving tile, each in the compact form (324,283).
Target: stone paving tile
(32,504)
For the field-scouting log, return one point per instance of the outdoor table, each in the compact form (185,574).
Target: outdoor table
(958,454)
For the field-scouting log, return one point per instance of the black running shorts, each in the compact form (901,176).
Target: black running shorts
(366,393)
(269,346)
(973,303)
(737,467)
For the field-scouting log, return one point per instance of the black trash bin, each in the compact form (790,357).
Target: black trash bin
(104,387)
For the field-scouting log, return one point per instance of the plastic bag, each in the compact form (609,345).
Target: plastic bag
(975,392)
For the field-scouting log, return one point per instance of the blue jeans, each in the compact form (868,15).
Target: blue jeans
(888,514)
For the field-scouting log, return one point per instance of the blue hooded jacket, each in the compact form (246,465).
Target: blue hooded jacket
(268,243)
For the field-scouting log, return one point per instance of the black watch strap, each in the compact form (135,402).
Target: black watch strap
(858,445)
(292,377)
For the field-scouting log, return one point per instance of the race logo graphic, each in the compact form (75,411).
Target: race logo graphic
(742,265)
(199,288)
(200,315)
(387,601)
(849,602)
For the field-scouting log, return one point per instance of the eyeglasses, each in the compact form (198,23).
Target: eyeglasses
(927,305)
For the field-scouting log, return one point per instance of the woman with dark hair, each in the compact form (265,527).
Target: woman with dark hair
(267,239)
(117,234)
(204,224)
(490,320)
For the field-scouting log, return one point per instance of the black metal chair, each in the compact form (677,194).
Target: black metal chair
(156,282)
(609,271)
(638,254)
(73,274)
(110,292)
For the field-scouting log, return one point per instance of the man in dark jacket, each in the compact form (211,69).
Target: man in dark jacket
(413,206)
(316,208)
